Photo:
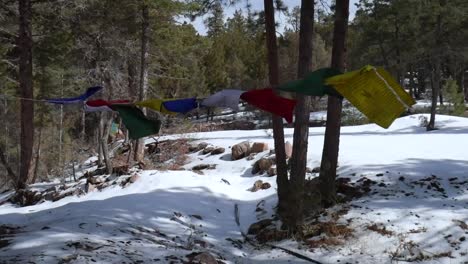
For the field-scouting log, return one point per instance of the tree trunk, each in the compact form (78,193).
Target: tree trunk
(436,74)
(301,124)
(11,173)
(435,80)
(83,125)
(26,87)
(98,139)
(463,85)
(132,80)
(38,152)
(332,131)
(140,145)
(105,136)
(441,96)
(278,132)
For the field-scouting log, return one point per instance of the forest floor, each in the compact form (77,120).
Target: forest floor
(415,208)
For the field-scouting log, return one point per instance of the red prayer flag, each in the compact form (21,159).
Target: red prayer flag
(102,105)
(268,100)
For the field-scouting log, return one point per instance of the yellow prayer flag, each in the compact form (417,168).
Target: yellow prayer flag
(155,104)
(374,92)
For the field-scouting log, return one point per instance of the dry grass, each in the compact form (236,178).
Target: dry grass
(381,230)
(324,242)
(333,234)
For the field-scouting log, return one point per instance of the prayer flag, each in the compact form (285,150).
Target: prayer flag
(267,100)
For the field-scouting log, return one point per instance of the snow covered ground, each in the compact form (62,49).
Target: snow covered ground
(417,209)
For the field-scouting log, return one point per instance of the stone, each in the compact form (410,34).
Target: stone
(134,178)
(258,147)
(265,186)
(262,165)
(207,150)
(200,167)
(260,185)
(288,149)
(218,150)
(204,258)
(272,171)
(96,180)
(257,186)
(255,228)
(240,150)
(197,147)
(251,156)
(89,187)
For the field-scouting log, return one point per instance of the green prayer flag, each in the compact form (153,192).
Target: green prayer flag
(136,122)
(313,83)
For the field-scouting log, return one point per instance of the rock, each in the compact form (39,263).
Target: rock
(204,258)
(197,147)
(134,178)
(258,226)
(258,147)
(259,185)
(204,167)
(120,170)
(251,156)
(96,180)
(288,149)
(89,187)
(217,151)
(240,150)
(24,197)
(315,170)
(272,171)
(50,196)
(262,165)
(207,150)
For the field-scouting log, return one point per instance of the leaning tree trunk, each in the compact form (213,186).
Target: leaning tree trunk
(26,89)
(140,145)
(278,132)
(301,123)
(332,131)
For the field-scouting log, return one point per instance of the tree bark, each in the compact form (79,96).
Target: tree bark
(278,132)
(332,131)
(98,140)
(435,81)
(140,145)
(11,173)
(301,124)
(436,74)
(463,85)
(38,152)
(105,136)
(26,87)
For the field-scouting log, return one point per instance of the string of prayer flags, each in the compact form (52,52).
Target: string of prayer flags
(154,104)
(268,100)
(313,84)
(137,124)
(102,105)
(81,98)
(224,98)
(373,92)
(180,105)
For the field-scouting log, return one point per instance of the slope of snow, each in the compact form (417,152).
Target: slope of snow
(421,199)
